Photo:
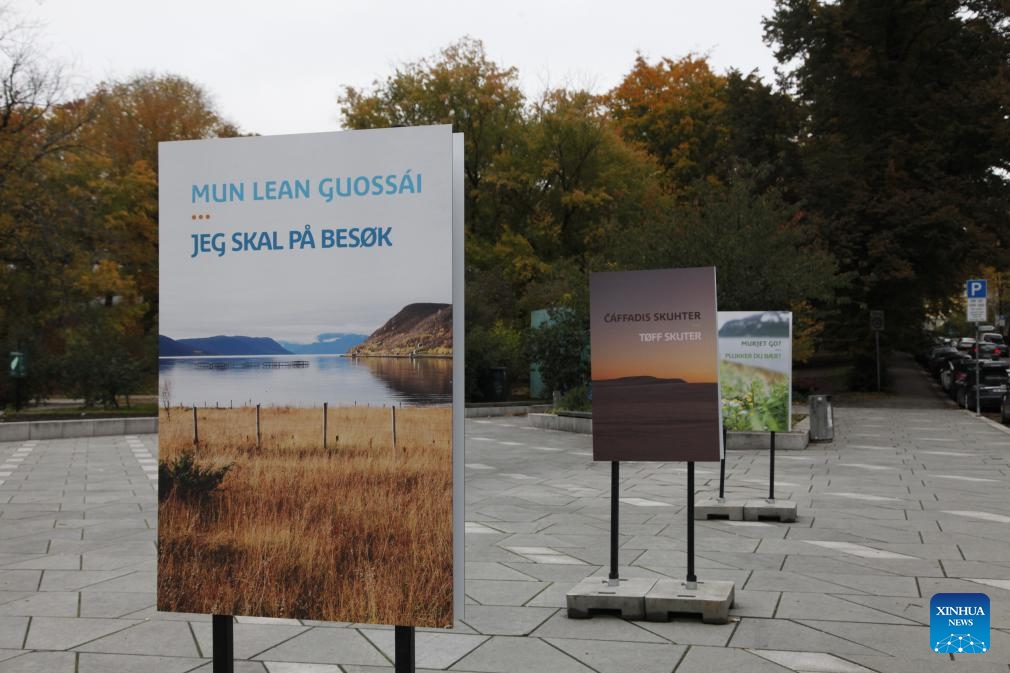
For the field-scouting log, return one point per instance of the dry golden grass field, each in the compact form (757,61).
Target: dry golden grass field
(356,532)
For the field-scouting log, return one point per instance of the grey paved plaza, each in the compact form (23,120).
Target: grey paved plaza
(911,498)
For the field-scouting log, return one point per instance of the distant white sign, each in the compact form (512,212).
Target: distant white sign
(977,310)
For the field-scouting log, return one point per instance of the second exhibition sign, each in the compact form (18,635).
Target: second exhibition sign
(655,365)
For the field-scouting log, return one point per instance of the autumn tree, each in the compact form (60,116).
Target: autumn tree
(40,125)
(673,109)
(546,182)
(78,227)
(111,196)
(905,144)
(147,109)
(117,176)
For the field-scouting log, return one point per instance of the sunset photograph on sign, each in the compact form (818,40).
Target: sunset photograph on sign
(654,364)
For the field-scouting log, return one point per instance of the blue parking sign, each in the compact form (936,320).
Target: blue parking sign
(977,289)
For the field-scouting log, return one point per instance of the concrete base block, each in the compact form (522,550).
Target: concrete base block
(713,508)
(594,594)
(757,510)
(712,600)
(784,441)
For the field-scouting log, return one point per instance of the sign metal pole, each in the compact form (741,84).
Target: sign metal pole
(977,294)
(876,338)
(692,579)
(223,638)
(615,520)
(404,649)
(978,370)
(722,466)
(771,468)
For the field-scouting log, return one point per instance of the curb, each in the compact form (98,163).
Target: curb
(999,426)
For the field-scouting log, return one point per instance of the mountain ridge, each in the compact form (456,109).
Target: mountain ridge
(423,328)
(219,345)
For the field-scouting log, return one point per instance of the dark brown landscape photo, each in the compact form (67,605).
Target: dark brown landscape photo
(358,530)
(645,418)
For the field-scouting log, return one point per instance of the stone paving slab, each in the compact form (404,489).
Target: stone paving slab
(905,502)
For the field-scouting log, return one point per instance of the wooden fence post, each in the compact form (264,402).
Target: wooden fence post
(394,427)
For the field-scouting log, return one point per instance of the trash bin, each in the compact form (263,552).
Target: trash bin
(494,384)
(822,424)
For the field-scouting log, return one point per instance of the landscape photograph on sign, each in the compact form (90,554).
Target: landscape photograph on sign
(306,421)
(755,370)
(655,365)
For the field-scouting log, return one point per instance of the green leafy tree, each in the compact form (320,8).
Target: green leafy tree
(460,86)
(905,145)
(761,127)
(765,255)
(575,180)
(560,347)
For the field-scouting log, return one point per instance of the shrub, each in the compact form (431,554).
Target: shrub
(576,399)
(561,349)
(187,479)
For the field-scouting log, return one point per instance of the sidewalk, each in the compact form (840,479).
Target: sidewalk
(910,499)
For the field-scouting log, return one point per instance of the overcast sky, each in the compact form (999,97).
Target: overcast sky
(278,67)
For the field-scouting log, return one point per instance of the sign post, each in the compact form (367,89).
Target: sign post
(877,325)
(755,383)
(977,293)
(655,398)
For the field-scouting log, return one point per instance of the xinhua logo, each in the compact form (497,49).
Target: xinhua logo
(959,623)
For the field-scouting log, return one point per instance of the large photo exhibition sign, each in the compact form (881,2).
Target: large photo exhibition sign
(306,336)
(755,370)
(655,365)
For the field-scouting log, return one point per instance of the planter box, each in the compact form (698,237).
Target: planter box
(486,410)
(562,423)
(98,427)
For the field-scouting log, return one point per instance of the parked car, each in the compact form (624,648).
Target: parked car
(989,388)
(924,356)
(1004,407)
(946,374)
(965,343)
(988,350)
(959,377)
(939,357)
